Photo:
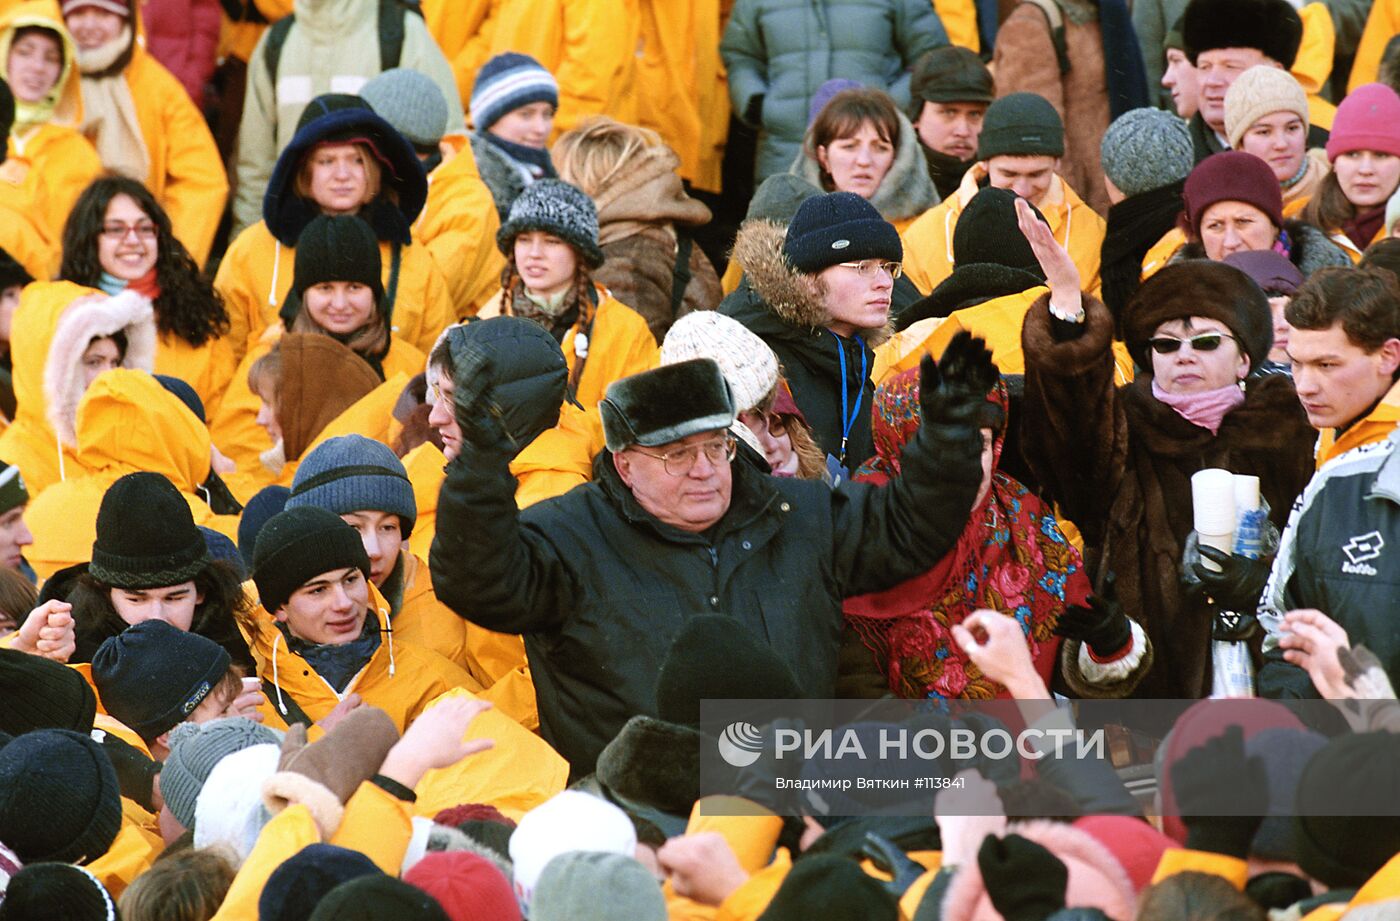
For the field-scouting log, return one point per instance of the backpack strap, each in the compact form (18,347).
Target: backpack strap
(392,29)
(1055,19)
(680,274)
(272,50)
(294,713)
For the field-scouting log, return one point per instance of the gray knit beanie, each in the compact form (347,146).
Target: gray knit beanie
(779,196)
(352,473)
(1021,125)
(557,208)
(1146,149)
(195,748)
(411,102)
(568,889)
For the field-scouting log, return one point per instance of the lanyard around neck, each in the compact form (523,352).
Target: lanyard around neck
(848,421)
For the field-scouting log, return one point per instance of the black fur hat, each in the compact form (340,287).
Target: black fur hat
(1200,288)
(665,405)
(1272,26)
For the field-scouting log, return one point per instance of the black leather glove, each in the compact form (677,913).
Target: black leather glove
(953,390)
(136,772)
(889,858)
(1239,583)
(1024,880)
(477,413)
(1102,626)
(1222,795)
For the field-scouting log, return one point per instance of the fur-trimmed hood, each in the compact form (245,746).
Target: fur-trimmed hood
(789,295)
(907,189)
(1096,878)
(85,319)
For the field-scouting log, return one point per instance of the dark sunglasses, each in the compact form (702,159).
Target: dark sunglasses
(1205,342)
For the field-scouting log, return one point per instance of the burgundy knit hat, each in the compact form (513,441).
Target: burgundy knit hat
(1232,175)
(1367,119)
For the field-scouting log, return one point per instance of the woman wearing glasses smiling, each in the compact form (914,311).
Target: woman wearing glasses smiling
(820,297)
(1119,460)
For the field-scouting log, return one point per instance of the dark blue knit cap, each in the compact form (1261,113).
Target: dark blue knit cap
(266,503)
(294,889)
(839,227)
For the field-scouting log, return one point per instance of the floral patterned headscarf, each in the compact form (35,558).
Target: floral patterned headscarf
(1011,557)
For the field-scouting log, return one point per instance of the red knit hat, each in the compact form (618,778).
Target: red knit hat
(1367,119)
(468,887)
(1232,175)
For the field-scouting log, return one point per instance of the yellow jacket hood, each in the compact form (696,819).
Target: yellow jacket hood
(128,420)
(64,103)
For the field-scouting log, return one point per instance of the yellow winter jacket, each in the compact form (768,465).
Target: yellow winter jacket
(1382,24)
(1377,426)
(130,855)
(187,174)
(256,274)
(207,368)
(424,465)
(235,427)
(589,45)
(1313,65)
(928,242)
(127,422)
(240,38)
(27,241)
(463,29)
(458,226)
(620,345)
(960,21)
(681,86)
(1161,252)
(1384,886)
(56,153)
(515,776)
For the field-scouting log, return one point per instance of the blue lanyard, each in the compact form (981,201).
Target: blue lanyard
(848,422)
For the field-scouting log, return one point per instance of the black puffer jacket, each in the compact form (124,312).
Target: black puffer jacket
(600,588)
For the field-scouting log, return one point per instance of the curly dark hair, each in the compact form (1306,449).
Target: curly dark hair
(188,305)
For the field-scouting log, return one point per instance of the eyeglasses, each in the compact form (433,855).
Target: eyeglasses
(760,422)
(681,461)
(116,230)
(869,268)
(1206,342)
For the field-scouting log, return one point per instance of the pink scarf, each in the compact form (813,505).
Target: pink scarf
(1206,409)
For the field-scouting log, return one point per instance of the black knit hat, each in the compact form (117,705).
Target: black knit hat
(7,112)
(43,891)
(1200,288)
(715,657)
(338,248)
(987,232)
(375,897)
(39,693)
(951,74)
(151,676)
(146,536)
(1271,26)
(326,103)
(557,208)
(12,274)
(1348,808)
(839,227)
(832,888)
(1021,125)
(59,797)
(299,544)
(304,879)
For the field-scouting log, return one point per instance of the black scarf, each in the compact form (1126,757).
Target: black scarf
(945,170)
(337,664)
(1134,226)
(534,159)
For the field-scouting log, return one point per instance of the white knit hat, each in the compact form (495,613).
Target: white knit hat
(569,821)
(230,809)
(748,364)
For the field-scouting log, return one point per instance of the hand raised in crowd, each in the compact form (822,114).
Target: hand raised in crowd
(246,704)
(1061,274)
(478,414)
(347,705)
(954,389)
(1222,794)
(1312,641)
(436,739)
(1101,625)
(48,631)
(1025,881)
(702,867)
(996,644)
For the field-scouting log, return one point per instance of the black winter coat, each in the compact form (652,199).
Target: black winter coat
(599,587)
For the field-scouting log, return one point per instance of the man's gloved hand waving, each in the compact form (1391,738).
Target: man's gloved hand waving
(953,390)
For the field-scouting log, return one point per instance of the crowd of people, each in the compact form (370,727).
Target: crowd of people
(409,414)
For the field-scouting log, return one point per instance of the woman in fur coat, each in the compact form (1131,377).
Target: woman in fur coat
(1119,460)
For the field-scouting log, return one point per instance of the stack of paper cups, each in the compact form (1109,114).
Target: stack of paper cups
(1213,504)
(1246,493)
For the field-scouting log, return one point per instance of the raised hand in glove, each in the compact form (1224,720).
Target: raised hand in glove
(1024,880)
(889,858)
(1102,626)
(953,390)
(1222,794)
(1238,584)
(478,415)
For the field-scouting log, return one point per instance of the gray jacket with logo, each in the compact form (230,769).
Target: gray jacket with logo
(1340,554)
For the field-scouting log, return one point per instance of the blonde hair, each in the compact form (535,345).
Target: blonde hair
(598,150)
